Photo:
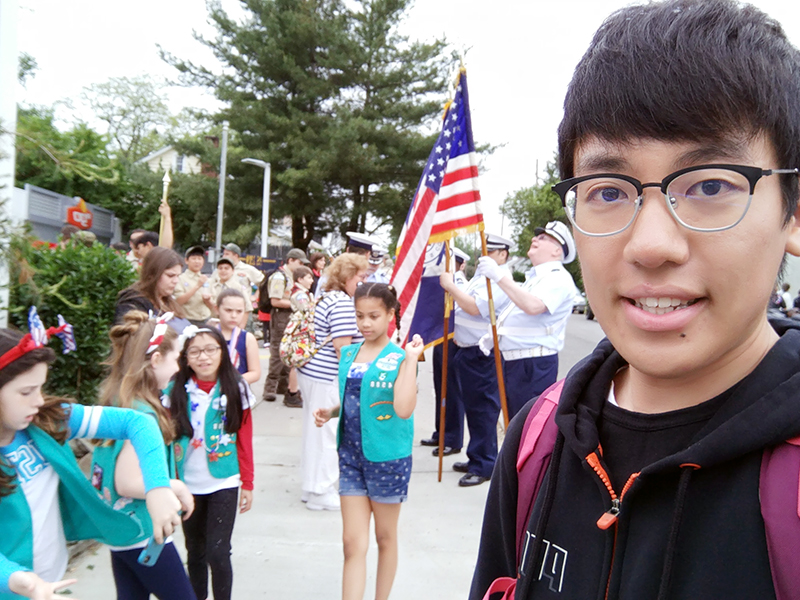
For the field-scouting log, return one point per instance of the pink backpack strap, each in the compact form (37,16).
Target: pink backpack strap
(779,491)
(502,585)
(533,456)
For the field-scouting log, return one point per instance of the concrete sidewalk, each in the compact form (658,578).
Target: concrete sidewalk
(283,550)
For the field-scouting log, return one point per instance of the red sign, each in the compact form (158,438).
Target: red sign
(79,215)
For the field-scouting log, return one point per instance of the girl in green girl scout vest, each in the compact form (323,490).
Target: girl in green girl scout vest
(144,357)
(45,499)
(378,391)
(210,406)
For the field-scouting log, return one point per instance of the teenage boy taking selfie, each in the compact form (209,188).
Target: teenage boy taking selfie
(678,154)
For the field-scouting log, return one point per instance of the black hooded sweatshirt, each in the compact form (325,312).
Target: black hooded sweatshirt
(682,532)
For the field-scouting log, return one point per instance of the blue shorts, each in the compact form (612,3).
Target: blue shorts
(384,482)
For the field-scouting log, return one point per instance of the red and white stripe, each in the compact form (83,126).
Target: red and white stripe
(431,219)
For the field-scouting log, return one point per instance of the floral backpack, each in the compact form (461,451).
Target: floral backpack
(299,341)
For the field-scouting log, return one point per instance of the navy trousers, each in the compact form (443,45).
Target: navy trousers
(481,399)
(526,378)
(454,413)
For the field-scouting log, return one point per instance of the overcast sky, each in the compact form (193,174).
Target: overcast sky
(520,57)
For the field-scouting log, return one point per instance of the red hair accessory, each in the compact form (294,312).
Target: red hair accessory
(38,337)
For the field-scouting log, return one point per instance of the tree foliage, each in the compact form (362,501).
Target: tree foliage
(334,98)
(73,162)
(134,109)
(81,284)
(535,206)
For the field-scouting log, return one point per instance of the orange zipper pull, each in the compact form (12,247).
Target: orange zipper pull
(608,518)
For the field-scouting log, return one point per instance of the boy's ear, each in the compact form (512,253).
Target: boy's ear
(793,241)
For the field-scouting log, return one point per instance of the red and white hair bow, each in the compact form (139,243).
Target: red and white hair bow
(158,332)
(38,337)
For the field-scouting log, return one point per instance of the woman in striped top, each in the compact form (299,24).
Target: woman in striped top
(335,321)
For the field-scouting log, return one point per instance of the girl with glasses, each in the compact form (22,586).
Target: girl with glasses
(210,406)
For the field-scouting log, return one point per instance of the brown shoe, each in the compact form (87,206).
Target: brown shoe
(268,397)
(293,400)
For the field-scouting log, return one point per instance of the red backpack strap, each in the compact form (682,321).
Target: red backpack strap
(533,456)
(779,491)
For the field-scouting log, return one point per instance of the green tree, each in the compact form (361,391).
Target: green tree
(135,112)
(73,163)
(334,98)
(535,206)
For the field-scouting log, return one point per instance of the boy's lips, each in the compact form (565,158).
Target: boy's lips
(665,309)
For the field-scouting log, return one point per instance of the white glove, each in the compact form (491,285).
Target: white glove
(490,269)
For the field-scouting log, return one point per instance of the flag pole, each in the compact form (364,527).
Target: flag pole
(501,384)
(445,353)
(165,181)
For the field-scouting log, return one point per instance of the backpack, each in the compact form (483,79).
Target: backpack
(264,301)
(779,491)
(299,341)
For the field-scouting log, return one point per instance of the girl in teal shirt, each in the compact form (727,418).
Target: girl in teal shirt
(378,391)
(45,500)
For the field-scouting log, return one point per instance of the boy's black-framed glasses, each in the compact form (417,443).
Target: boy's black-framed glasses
(701,198)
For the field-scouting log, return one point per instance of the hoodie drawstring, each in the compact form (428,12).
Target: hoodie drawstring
(677,517)
(541,525)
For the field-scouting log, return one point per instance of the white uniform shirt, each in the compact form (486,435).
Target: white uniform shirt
(469,329)
(553,285)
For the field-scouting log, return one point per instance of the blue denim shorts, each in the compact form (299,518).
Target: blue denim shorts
(384,482)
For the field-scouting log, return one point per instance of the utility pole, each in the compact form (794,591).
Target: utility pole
(223,163)
(8,124)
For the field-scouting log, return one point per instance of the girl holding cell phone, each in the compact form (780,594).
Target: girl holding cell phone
(144,357)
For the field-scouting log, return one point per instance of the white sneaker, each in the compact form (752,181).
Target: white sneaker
(328,501)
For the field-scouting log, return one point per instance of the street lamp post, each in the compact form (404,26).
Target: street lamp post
(264,202)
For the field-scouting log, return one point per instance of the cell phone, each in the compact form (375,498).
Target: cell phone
(150,553)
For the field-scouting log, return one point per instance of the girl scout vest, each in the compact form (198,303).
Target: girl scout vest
(84,514)
(104,463)
(384,435)
(219,446)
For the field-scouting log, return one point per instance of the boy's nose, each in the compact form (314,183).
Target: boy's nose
(655,236)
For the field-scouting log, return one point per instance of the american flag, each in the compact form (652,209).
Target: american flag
(446,204)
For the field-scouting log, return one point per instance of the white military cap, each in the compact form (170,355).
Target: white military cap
(377,254)
(560,232)
(460,255)
(498,242)
(361,240)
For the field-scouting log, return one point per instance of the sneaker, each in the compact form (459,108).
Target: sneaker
(328,501)
(269,397)
(293,400)
(305,496)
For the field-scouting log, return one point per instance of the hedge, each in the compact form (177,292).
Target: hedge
(80,283)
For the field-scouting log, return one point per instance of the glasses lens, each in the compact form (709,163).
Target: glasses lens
(709,198)
(208,351)
(601,205)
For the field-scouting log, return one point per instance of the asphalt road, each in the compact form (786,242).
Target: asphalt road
(282,550)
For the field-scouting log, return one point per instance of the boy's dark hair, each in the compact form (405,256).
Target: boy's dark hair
(231,293)
(384,292)
(300,272)
(145,237)
(228,378)
(67,231)
(708,71)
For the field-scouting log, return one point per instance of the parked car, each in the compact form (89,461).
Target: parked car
(579,303)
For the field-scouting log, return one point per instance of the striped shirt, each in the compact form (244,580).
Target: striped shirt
(335,316)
